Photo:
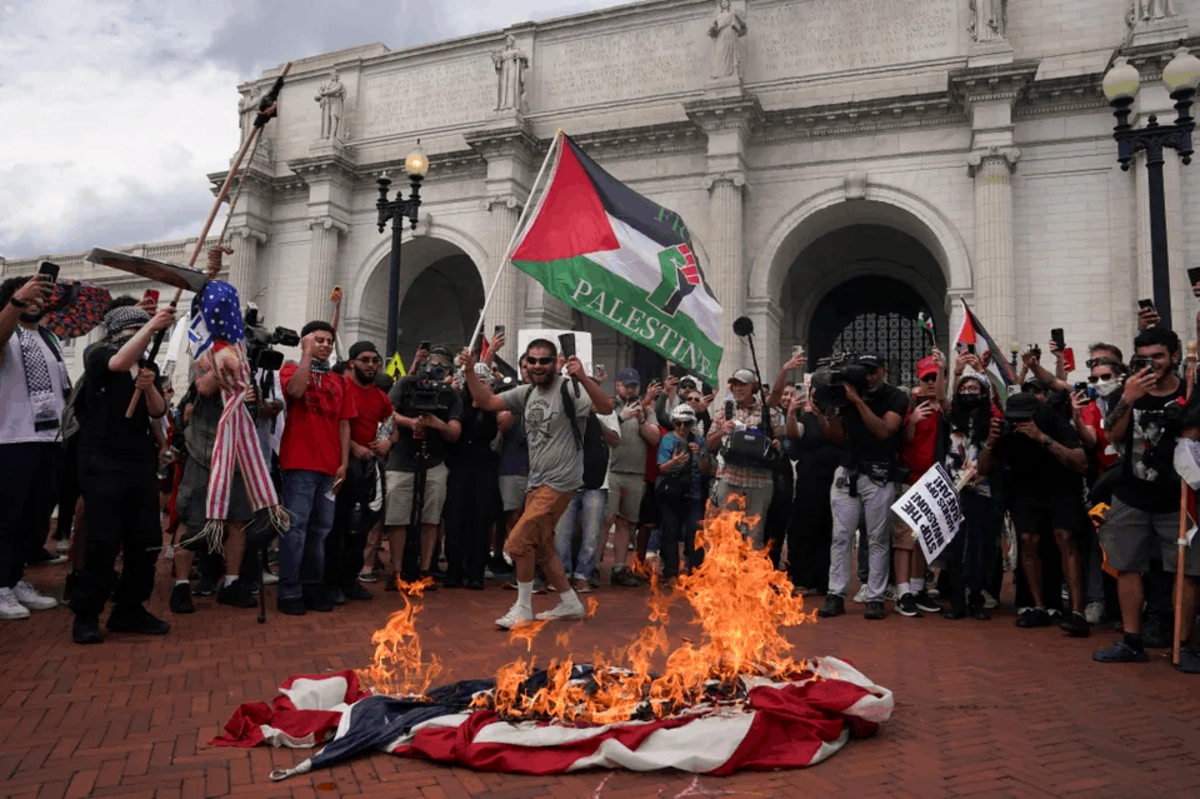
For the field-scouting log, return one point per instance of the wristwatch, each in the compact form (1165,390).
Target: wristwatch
(1047,441)
(18,303)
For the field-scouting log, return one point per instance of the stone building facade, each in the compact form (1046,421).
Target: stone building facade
(842,164)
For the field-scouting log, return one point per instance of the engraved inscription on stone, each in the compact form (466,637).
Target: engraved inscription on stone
(428,96)
(813,37)
(624,65)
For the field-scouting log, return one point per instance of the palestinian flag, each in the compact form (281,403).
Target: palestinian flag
(622,259)
(972,333)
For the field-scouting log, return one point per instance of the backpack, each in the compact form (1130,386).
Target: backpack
(569,411)
(595,454)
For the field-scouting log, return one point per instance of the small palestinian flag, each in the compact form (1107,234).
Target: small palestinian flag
(622,259)
(973,335)
(926,324)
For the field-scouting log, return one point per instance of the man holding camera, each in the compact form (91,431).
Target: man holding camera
(314,456)
(864,487)
(553,413)
(1145,508)
(1045,483)
(428,414)
(627,469)
(748,474)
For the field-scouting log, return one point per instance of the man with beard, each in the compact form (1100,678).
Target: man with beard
(553,418)
(353,517)
(33,387)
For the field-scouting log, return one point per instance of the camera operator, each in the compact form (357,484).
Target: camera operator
(118,463)
(33,389)
(428,414)
(1145,507)
(1046,461)
(353,517)
(865,485)
(314,456)
(750,477)
(552,415)
(627,469)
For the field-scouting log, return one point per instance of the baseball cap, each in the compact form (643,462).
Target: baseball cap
(1020,407)
(743,376)
(873,360)
(629,376)
(926,367)
(683,413)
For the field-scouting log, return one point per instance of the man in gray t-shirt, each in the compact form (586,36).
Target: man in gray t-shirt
(555,468)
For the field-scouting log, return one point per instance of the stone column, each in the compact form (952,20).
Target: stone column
(995,276)
(243,264)
(725,252)
(504,309)
(322,265)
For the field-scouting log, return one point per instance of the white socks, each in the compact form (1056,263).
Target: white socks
(230,578)
(916,585)
(525,595)
(182,582)
(568,597)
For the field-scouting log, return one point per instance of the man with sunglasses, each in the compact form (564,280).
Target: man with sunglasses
(363,487)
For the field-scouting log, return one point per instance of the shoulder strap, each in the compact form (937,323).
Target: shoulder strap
(569,410)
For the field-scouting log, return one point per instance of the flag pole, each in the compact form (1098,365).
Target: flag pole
(516,233)
(1184,490)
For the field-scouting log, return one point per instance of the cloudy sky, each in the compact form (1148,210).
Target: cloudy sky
(115,110)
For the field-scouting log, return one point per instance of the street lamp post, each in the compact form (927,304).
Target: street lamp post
(397,210)
(1181,77)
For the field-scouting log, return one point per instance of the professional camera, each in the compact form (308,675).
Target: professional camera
(428,392)
(844,369)
(259,342)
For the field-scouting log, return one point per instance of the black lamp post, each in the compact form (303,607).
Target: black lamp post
(397,210)
(1121,84)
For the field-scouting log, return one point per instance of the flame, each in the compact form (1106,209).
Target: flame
(526,632)
(398,666)
(563,639)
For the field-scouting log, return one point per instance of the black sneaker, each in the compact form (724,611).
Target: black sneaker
(44,557)
(474,585)
(389,583)
(1189,660)
(86,631)
(357,592)
(292,606)
(622,576)
(1033,617)
(336,596)
(927,603)
(1120,652)
(315,598)
(874,611)
(181,599)
(956,611)
(978,611)
(1156,633)
(452,582)
(835,605)
(205,587)
(1076,625)
(907,606)
(136,619)
(236,594)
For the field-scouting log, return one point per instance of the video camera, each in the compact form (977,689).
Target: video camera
(427,392)
(844,369)
(259,342)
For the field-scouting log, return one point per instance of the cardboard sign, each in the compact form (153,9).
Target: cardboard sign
(933,511)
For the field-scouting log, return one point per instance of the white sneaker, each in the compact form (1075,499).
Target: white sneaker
(861,596)
(1094,612)
(517,614)
(563,610)
(270,578)
(28,596)
(989,601)
(10,608)
(890,594)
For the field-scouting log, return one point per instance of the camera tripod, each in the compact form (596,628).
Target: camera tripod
(410,563)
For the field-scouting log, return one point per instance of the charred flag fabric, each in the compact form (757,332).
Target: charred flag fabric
(777,725)
(622,259)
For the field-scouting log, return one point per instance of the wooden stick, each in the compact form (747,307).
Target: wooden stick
(1181,543)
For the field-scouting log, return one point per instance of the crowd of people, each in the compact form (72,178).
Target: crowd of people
(463,472)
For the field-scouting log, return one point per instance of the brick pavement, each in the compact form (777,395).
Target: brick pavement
(983,709)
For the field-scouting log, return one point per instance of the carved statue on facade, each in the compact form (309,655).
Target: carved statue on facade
(510,66)
(727,27)
(989,20)
(247,111)
(1150,10)
(332,98)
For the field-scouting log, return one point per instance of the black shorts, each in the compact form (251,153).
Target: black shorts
(648,512)
(1044,514)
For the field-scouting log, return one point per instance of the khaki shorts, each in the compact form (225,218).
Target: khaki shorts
(625,496)
(1130,538)
(903,537)
(400,496)
(534,531)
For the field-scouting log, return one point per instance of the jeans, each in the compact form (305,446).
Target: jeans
(302,547)
(680,518)
(873,506)
(591,504)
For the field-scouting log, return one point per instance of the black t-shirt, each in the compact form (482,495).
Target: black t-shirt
(1148,480)
(473,450)
(816,457)
(403,457)
(105,430)
(1035,472)
(861,444)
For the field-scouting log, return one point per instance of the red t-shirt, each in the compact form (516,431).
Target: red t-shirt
(1091,416)
(312,438)
(917,455)
(373,407)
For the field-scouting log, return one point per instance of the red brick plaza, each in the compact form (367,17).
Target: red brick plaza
(982,709)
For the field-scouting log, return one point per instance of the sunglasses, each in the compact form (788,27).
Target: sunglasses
(929,379)
(1098,378)
(374,359)
(540,361)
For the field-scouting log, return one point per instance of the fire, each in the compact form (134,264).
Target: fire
(526,632)
(398,666)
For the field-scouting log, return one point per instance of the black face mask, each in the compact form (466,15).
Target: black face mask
(969,402)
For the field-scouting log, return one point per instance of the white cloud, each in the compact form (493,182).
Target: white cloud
(115,110)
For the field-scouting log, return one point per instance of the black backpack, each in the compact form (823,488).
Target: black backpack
(595,454)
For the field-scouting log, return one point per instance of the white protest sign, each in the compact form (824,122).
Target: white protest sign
(931,508)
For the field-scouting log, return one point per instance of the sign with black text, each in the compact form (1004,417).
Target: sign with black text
(931,508)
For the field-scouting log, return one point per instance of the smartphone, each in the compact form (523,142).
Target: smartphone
(1069,359)
(797,349)
(1194,278)
(497,331)
(1056,335)
(566,344)
(970,349)
(151,294)
(678,371)
(49,269)
(1146,305)
(425,345)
